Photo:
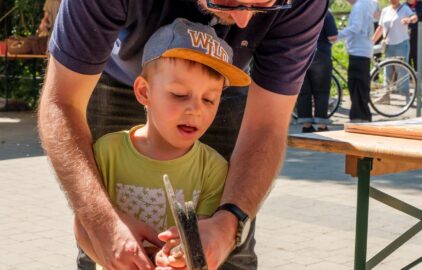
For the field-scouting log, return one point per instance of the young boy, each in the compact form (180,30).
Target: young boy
(185,68)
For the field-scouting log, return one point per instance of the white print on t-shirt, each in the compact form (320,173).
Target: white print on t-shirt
(148,204)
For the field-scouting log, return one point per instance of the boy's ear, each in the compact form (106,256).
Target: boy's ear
(141,90)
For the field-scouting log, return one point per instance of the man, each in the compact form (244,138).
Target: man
(281,40)
(359,47)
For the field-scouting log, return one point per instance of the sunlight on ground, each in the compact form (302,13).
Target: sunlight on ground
(9,120)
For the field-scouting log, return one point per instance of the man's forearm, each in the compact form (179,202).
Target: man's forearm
(83,240)
(67,141)
(259,149)
(253,167)
(66,138)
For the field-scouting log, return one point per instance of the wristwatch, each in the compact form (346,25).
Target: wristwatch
(244,224)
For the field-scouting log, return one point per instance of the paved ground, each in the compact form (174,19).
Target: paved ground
(307,222)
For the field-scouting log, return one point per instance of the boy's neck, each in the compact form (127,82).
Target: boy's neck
(153,146)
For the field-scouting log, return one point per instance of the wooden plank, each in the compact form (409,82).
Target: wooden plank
(380,166)
(409,128)
(399,149)
(24,56)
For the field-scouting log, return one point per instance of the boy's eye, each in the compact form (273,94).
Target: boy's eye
(179,95)
(209,101)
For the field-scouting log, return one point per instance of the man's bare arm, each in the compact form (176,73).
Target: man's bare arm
(260,147)
(66,138)
(83,240)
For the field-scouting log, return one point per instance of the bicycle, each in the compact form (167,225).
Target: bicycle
(393,87)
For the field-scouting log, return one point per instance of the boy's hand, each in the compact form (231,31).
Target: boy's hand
(121,246)
(217,237)
(171,256)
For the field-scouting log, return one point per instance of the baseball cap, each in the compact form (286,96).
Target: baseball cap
(196,42)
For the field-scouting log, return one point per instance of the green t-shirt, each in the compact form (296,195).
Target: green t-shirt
(134,182)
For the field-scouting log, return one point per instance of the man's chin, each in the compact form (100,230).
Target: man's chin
(224,19)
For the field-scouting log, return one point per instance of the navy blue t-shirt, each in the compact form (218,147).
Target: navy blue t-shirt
(92,36)
(328,29)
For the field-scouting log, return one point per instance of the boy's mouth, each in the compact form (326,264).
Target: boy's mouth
(187,129)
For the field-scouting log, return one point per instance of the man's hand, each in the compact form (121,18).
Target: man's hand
(119,245)
(116,238)
(217,237)
(122,247)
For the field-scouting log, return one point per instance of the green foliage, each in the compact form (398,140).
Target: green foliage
(343,6)
(340,6)
(340,54)
(26,17)
(22,21)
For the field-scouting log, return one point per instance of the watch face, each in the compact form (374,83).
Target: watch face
(245,231)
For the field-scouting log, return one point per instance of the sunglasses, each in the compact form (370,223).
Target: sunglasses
(240,6)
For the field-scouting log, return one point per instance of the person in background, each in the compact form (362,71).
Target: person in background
(316,86)
(393,26)
(51,8)
(416,7)
(359,47)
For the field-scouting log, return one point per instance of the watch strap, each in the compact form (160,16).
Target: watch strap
(235,210)
(240,215)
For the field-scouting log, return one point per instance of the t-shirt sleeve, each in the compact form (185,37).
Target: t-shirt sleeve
(282,58)
(381,20)
(213,187)
(84,33)
(408,12)
(330,28)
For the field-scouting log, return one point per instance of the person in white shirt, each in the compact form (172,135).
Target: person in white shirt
(359,47)
(393,26)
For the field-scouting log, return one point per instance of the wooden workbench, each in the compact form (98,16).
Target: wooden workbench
(368,155)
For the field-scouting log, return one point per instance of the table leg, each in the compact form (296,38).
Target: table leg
(364,170)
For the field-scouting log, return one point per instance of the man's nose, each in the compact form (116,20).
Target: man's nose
(241,17)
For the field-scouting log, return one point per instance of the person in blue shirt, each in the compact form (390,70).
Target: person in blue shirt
(359,46)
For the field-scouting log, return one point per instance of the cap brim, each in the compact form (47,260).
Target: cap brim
(234,75)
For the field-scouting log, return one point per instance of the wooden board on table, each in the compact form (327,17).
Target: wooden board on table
(363,145)
(410,128)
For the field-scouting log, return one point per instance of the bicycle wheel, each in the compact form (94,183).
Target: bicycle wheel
(393,88)
(336,94)
(334,101)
